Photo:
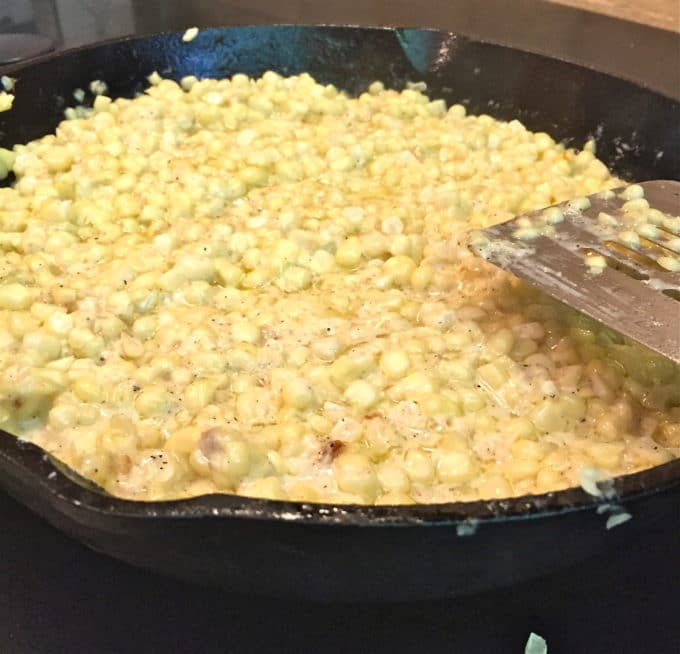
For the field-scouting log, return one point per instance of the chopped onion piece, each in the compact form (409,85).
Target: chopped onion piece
(536,645)
(596,483)
(466,528)
(190,34)
(617,519)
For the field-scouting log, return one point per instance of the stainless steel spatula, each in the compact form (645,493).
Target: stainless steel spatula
(607,255)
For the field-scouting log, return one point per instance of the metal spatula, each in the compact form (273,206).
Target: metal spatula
(637,292)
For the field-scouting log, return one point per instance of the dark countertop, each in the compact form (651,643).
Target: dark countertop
(58,597)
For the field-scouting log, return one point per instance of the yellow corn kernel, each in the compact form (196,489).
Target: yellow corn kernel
(295,278)
(87,389)
(84,343)
(361,395)
(399,269)
(298,393)
(255,407)
(501,342)
(518,469)
(183,441)
(42,347)
(269,488)
(395,363)
(422,276)
(494,486)
(606,455)
(419,467)
(346,369)
(230,464)
(349,253)
(456,468)
(559,414)
(15,297)
(393,478)
(354,473)
(153,402)
(525,448)
(199,394)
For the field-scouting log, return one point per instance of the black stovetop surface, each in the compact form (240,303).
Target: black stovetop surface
(58,597)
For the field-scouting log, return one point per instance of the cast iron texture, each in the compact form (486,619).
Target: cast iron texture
(352,552)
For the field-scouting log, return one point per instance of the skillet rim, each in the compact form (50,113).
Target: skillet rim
(29,466)
(66,490)
(16,67)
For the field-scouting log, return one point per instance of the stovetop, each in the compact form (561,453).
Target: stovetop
(58,597)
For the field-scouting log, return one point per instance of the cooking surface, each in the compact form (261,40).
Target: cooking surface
(60,597)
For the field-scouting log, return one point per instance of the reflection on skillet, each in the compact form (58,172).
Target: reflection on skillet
(73,476)
(264,288)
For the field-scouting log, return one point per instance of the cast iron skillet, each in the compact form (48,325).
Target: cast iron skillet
(353,552)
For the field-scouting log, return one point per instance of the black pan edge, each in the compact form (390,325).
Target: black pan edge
(16,68)
(30,468)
